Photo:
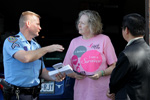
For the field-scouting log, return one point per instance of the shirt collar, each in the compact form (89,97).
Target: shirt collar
(22,37)
(133,40)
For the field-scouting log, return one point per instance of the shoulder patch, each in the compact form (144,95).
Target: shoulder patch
(12,39)
(15,45)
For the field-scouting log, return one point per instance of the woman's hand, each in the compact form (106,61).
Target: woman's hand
(96,76)
(79,77)
(76,76)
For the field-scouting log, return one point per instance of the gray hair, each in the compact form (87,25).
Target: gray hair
(94,21)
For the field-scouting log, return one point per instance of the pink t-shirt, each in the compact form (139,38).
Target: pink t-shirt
(89,56)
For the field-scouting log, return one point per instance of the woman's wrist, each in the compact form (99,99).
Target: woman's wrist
(102,73)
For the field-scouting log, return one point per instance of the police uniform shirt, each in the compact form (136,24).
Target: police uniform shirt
(16,72)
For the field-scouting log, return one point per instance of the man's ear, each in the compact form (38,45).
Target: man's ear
(127,30)
(28,23)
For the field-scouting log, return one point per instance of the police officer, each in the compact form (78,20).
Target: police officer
(22,63)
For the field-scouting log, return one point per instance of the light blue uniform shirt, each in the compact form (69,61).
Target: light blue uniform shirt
(16,72)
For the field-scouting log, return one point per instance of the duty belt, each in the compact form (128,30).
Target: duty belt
(15,90)
(34,91)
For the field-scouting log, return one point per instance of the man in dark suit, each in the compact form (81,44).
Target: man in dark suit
(130,80)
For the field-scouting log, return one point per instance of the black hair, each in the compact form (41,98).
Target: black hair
(135,23)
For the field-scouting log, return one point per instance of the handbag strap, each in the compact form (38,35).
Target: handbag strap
(41,70)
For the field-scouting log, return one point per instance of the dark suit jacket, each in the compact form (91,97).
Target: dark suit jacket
(131,76)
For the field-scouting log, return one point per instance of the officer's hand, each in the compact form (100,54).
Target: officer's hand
(55,47)
(60,77)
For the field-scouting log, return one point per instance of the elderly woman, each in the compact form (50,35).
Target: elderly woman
(92,56)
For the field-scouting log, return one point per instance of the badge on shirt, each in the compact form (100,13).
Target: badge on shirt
(12,39)
(25,48)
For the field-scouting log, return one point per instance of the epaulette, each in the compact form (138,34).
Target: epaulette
(13,39)
(16,36)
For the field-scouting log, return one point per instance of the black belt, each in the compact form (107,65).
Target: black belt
(26,90)
(34,91)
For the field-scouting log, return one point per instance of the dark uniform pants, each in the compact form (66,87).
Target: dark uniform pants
(24,97)
(21,97)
